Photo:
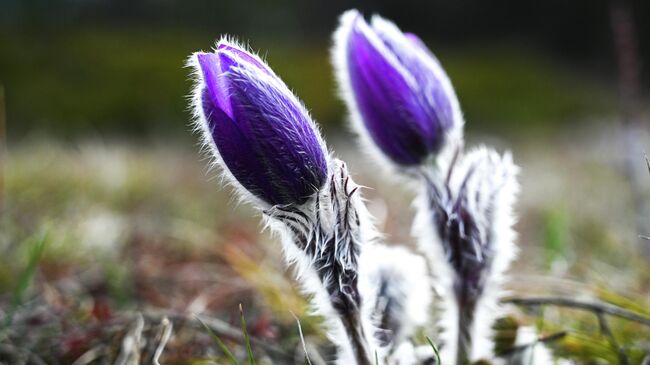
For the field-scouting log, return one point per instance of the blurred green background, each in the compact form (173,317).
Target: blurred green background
(101,67)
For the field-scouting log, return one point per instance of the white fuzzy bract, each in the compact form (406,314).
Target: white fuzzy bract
(483,184)
(397,292)
(325,238)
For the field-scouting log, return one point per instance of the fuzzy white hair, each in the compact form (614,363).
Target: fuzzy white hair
(323,237)
(490,180)
(324,240)
(397,292)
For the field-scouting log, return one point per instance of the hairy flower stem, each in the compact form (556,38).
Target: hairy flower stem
(328,234)
(356,333)
(453,232)
(466,309)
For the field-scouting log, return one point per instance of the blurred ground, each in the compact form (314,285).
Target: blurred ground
(148,228)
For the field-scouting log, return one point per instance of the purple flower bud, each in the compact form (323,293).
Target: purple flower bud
(396,90)
(261,132)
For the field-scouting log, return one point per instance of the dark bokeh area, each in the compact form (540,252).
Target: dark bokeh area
(73,67)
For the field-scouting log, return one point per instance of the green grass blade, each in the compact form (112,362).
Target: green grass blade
(217,340)
(249,349)
(302,339)
(435,350)
(28,274)
(25,279)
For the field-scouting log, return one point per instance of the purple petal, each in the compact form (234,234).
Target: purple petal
(238,56)
(425,68)
(282,136)
(232,142)
(216,88)
(264,136)
(416,41)
(392,111)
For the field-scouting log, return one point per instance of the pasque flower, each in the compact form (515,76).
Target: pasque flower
(262,134)
(404,107)
(266,142)
(400,99)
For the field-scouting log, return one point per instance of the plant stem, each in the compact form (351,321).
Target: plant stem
(356,333)
(597,307)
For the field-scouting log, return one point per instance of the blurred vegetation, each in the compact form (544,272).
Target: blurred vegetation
(133,81)
(143,229)
(555,237)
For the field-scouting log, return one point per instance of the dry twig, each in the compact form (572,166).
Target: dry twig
(130,352)
(164,335)
(596,307)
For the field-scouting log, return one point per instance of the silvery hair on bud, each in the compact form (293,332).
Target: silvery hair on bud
(464,226)
(325,238)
